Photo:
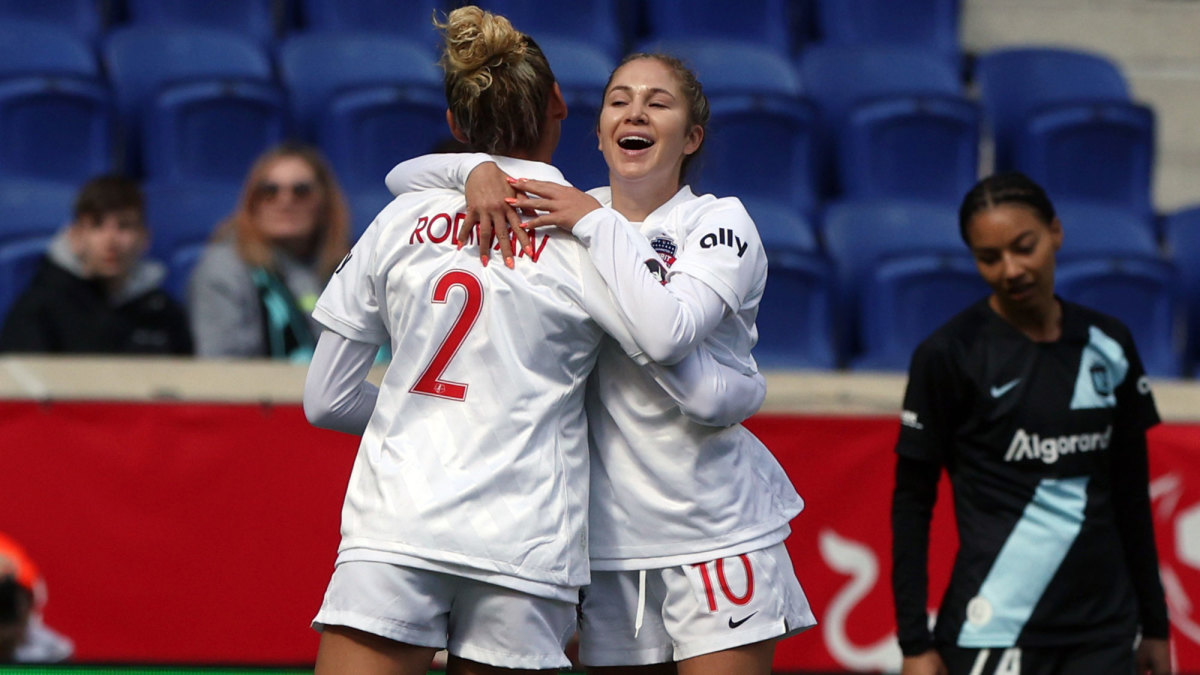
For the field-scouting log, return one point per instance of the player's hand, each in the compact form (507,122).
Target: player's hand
(1153,657)
(487,189)
(561,205)
(925,663)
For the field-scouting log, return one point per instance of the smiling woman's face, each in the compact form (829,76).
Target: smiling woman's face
(644,128)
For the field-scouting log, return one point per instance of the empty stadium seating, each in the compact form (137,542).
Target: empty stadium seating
(1065,117)
(858,236)
(926,24)
(1142,292)
(254,18)
(767,23)
(894,122)
(145,63)
(906,298)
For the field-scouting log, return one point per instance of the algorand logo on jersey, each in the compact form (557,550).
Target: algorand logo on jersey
(1027,446)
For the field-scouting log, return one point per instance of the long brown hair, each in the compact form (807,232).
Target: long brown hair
(331,238)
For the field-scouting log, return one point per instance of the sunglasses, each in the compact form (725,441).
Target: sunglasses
(271,191)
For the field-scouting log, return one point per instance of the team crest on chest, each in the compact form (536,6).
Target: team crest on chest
(1101,381)
(1102,367)
(666,248)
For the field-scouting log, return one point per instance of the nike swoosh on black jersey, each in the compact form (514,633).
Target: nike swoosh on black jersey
(1003,389)
(735,624)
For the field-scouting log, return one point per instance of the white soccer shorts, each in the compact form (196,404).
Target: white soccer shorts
(691,610)
(489,624)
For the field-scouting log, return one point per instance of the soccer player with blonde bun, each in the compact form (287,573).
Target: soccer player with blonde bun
(464,523)
(688,518)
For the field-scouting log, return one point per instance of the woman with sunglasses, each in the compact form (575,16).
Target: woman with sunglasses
(253,290)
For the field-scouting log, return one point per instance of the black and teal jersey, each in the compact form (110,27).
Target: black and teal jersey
(1031,435)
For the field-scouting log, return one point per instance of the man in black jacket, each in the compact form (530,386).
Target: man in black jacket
(94,293)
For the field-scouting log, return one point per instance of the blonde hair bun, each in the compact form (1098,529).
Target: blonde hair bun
(477,41)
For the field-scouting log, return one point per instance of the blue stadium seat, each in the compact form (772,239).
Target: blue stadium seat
(1181,234)
(909,146)
(781,225)
(56,113)
(1094,229)
(411,19)
(857,236)
(46,49)
(211,130)
(143,60)
(760,148)
(582,71)
(365,132)
(56,128)
(34,208)
(927,24)
(1144,293)
(795,317)
(83,17)
(253,18)
(1102,151)
(877,105)
(769,23)
(906,298)
(18,262)
(315,66)
(594,22)
(1066,118)
(182,214)
(1014,81)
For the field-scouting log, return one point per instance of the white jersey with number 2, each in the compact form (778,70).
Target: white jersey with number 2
(474,460)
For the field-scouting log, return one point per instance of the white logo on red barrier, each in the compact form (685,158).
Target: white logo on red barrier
(859,562)
(1165,493)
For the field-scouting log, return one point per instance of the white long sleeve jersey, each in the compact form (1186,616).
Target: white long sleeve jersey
(475,457)
(666,490)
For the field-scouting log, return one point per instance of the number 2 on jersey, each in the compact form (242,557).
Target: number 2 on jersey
(431,383)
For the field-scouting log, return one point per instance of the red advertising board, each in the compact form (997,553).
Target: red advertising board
(189,533)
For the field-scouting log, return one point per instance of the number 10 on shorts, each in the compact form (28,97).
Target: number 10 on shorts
(724,580)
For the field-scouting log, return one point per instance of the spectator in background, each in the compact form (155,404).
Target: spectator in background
(23,637)
(94,292)
(254,288)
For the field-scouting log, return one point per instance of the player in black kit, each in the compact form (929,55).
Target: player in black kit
(1038,409)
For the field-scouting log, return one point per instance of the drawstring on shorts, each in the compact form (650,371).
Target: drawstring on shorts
(641,606)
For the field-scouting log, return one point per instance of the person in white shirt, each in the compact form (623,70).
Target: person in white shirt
(464,523)
(689,570)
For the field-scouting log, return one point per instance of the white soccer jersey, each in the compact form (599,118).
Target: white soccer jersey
(475,456)
(665,489)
